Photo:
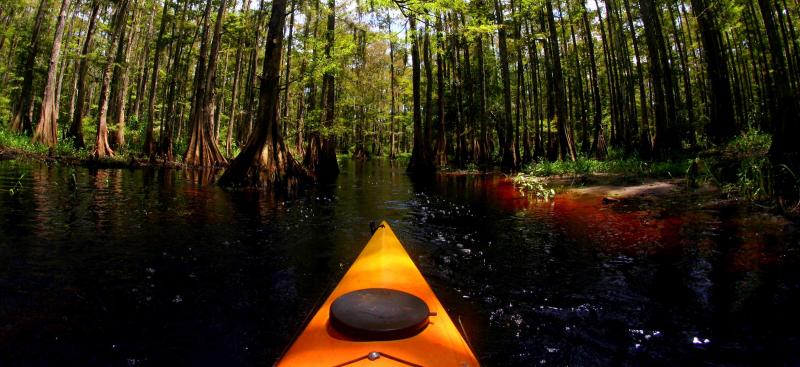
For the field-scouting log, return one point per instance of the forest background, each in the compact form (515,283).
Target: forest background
(701,88)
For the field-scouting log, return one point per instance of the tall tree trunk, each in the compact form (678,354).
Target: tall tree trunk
(164,149)
(597,148)
(321,154)
(533,61)
(220,102)
(141,83)
(47,128)
(73,96)
(9,62)
(522,140)
(392,83)
(250,86)
(785,152)
(660,81)
(329,166)
(265,160)
(521,94)
(21,120)
(288,71)
(102,149)
(299,143)
(467,140)
(203,150)
(76,127)
(644,128)
(420,163)
(612,71)
(301,94)
(149,140)
(456,87)
(581,109)
(429,85)
(689,124)
(119,85)
(625,128)
(721,127)
(550,151)
(483,158)
(198,90)
(441,138)
(509,162)
(63,69)
(566,148)
(234,94)
(232,121)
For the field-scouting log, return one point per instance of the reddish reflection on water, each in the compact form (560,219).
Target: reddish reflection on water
(650,228)
(586,218)
(628,231)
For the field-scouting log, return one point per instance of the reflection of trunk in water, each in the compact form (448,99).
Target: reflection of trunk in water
(107,193)
(40,182)
(201,177)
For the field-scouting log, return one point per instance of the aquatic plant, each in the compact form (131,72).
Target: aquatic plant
(533,186)
(17,186)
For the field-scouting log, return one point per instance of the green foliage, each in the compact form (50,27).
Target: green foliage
(5,110)
(403,158)
(472,167)
(748,153)
(66,148)
(24,143)
(632,167)
(179,149)
(11,140)
(534,186)
(89,129)
(341,158)
(751,142)
(236,150)
(135,135)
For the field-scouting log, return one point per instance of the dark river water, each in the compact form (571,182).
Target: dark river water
(148,267)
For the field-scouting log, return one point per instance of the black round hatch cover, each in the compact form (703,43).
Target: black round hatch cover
(379,314)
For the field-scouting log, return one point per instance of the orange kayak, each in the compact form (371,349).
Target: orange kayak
(382,313)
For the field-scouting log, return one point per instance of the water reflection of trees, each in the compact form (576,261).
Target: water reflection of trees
(200,177)
(107,195)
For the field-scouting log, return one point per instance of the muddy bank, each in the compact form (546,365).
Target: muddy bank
(653,192)
(658,193)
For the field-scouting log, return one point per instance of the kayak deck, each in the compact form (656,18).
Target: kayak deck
(383,263)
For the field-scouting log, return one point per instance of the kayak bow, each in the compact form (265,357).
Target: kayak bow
(374,317)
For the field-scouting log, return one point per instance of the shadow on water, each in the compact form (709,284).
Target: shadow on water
(158,267)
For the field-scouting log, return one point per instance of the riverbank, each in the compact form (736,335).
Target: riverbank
(19,146)
(654,200)
(617,181)
(84,160)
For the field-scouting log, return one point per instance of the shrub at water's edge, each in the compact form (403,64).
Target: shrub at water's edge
(740,169)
